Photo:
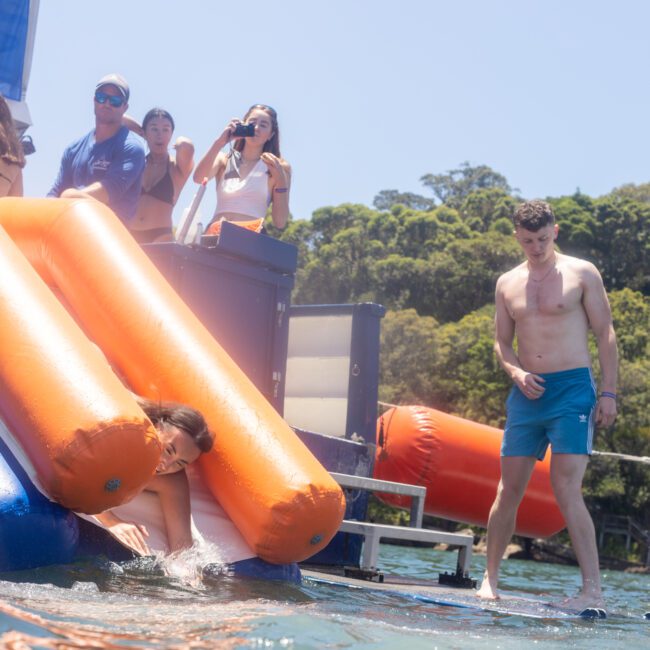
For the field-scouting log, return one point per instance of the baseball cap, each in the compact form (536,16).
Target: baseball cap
(116,80)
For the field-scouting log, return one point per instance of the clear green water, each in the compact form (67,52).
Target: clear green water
(139,605)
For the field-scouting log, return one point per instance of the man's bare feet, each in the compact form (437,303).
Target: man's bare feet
(581,602)
(487,590)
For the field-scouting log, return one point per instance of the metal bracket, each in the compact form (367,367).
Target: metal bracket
(459,579)
(372,575)
(280,308)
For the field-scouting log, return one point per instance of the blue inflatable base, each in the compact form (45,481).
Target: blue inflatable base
(255,567)
(34,531)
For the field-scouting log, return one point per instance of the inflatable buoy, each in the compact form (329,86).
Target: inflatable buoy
(458,461)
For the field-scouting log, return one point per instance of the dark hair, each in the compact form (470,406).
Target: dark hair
(183,417)
(11,151)
(272,145)
(157,112)
(533,215)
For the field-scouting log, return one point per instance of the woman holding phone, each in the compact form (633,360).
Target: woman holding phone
(250,176)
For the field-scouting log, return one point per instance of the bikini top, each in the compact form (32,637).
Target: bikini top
(249,195)
(163,190)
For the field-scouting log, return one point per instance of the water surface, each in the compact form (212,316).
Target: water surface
(141,604)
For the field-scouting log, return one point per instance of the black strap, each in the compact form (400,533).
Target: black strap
(232,165)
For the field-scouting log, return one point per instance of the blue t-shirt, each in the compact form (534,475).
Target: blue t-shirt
(117,163)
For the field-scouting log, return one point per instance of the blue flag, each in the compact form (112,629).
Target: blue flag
(14,42)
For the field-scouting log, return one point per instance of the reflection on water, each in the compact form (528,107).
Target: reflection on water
(179,604)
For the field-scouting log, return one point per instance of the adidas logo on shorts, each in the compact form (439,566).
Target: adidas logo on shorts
(582,418)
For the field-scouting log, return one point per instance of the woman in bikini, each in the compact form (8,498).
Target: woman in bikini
(164,176)
(12,159)
(252,175)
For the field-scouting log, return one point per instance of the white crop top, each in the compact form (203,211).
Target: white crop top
(249,195)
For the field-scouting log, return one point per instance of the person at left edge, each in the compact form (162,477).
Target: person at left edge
(12,158)
(107,163)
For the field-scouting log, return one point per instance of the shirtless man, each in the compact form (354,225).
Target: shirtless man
(548,303)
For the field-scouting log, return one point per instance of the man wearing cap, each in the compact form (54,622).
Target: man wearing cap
(107,163)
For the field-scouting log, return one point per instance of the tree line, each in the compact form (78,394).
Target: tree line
(433,262)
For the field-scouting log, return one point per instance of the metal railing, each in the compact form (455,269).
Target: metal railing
(628,528)
(374,533)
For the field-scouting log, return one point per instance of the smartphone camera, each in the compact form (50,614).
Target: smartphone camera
(244,131)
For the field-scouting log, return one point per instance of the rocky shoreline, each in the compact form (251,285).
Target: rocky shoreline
(553,552)
(537,550)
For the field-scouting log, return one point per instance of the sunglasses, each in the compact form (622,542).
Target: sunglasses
(114,100)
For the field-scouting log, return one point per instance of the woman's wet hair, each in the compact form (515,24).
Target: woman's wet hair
(272,145)
(157,112)
(11,151)
(183,417)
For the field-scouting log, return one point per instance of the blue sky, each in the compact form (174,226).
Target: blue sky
(371,95)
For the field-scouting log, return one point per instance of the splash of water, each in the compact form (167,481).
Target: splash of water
(187,565)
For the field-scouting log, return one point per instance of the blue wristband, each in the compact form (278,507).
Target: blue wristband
(606,393)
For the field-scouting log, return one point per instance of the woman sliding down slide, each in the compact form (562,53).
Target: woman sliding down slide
(184,436)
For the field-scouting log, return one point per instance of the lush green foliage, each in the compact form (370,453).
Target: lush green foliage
(433,262)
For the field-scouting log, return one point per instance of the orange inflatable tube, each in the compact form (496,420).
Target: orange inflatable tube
(458,461)
(62,401)
(279,496)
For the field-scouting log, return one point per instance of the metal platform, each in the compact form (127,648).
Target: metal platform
(374,533)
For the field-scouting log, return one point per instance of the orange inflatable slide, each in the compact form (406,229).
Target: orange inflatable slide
(90,444)
(458,461)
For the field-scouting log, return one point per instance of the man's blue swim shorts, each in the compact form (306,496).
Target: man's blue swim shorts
(563,416)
